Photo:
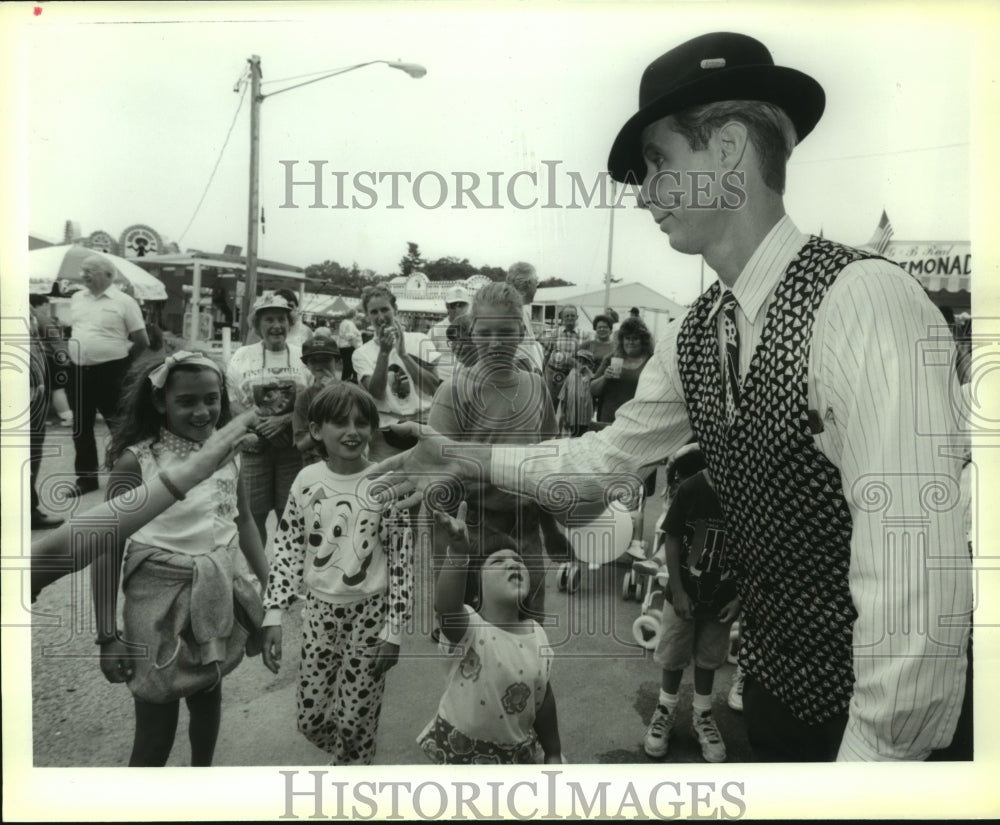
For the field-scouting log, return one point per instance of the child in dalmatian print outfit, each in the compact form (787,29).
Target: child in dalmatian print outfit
(498,704)
(353,558)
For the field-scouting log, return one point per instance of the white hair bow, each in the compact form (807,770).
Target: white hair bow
(158,377)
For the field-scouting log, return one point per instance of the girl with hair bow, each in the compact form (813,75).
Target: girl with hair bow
(188,611)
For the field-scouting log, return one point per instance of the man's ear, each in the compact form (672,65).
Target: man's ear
(731,142)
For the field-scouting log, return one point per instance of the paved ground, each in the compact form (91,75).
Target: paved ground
(605,685)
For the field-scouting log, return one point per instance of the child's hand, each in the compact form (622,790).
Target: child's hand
(272,425)
(218,448)
(114,665)
(458,533)
(682,603)
(386,656)
(400,340)
(271,639)
(731,611)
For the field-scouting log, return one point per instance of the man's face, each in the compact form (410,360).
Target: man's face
(455,309)
(96,278)
(380,311)
(569,319)
(678,199)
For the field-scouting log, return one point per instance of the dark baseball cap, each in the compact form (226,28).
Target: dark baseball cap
(320,345)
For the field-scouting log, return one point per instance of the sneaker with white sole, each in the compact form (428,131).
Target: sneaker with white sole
(648,567)
(636,549)
(657,737)
(713,749)
(735,700)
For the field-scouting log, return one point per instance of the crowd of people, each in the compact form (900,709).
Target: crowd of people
(780,394)
(293,483)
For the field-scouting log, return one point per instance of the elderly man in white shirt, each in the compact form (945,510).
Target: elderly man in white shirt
(829,435)
(108,334)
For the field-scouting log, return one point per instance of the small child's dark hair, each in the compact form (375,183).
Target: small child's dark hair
(686,466)
(336,402)
(479,550)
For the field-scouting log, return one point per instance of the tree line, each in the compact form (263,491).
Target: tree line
(334,278)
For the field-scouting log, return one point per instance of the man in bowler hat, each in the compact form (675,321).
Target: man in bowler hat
(801,375)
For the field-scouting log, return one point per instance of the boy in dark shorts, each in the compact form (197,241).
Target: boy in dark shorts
(702,592)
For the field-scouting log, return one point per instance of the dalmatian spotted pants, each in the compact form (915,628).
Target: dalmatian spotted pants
(339,698)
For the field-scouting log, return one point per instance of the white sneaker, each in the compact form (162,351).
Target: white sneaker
(713,749)
(657,737)
(735,700)
(636,550)
(648,567)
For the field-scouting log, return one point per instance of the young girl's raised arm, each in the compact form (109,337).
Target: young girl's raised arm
(104,575)
(60,553)
(251,544)
(449,594)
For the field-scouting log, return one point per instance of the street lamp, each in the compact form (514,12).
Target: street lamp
(256,98)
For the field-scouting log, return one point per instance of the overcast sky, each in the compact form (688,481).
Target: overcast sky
(126,121)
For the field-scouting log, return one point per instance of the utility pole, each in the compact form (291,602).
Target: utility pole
(414,70)
(250,281)
(611,239)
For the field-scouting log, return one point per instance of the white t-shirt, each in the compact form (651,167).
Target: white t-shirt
(417,345)
(102,325)
(268,380)
(496,681)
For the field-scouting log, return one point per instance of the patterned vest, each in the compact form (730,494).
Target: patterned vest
(788,522)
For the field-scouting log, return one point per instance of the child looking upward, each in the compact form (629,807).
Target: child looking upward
(498,703)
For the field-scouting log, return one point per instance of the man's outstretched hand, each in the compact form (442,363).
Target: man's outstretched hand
(435,461)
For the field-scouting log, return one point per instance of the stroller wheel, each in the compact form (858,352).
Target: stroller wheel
(646,630)
(561,579)
(628,586)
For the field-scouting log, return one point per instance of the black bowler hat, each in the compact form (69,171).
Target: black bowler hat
(709,69)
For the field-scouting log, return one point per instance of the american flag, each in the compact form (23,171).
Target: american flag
(883,234)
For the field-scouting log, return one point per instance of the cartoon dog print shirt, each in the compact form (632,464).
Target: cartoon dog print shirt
(336,542)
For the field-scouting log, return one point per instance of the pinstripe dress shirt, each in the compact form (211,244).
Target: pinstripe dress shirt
(885,397)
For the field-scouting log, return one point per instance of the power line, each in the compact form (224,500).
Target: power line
(881,154)
(211,177)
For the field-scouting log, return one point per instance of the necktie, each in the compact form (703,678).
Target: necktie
(731,356)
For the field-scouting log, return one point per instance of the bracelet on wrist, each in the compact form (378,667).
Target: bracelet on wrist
(172,488)
(456,561)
